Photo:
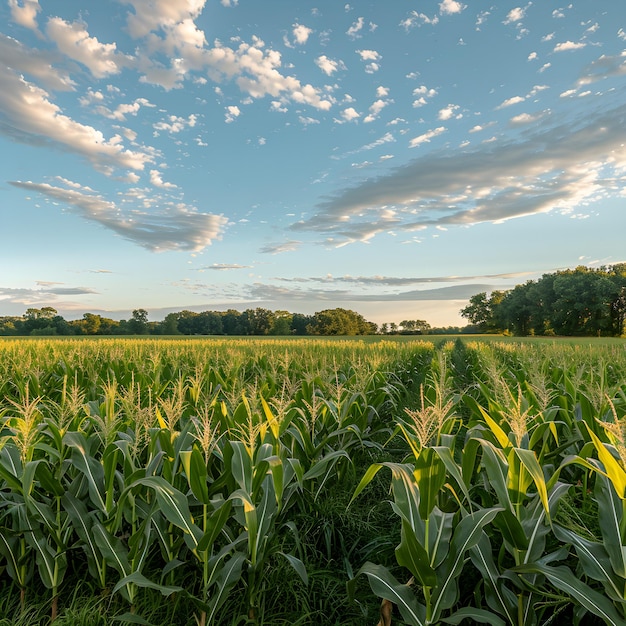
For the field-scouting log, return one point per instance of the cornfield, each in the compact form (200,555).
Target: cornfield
(265,482)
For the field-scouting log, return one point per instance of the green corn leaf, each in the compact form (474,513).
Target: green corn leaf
(298,566)
(138,579)
(412,555)
(173,504)
(196,472)
(89,466)
(466,535)
(241,466)
(215,524)
(445,454)
(563,579)
(82,523)
(512,532)
(386,586)
(478,615)
(611,524)
(499,597)
(530,462)
(594,560)
(430,476)
(229,574)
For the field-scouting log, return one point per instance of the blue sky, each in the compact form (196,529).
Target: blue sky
(393,158)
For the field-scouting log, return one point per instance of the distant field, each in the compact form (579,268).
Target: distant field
(194,480)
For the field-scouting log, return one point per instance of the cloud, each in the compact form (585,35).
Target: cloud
(301,33)
(375,109)
(177,227)
(175,124)
(225,267)
(26,14)
(426,137)
(417,19)
(568,45)
(605,66)
(526,118)
(42,296)
(255,71)
(554,168)
(328,66)
(35,63)
(278,248)
(28,115)
(157,181)
(511,101)
(368,55)
(270,292)
(355,29)
(450,7)
(350,114)
(515,15)
(449,112)
(232,113)
(73,40)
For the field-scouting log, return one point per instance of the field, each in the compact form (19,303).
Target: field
(234,481)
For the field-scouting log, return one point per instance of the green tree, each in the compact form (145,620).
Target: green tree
(139,323)
(282,323)
(339,322)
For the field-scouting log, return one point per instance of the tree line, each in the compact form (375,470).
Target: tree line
(583,301)
(46,321)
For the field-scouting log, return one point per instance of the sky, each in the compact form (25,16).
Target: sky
(393,158)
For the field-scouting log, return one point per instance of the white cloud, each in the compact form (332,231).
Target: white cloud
(175,124)
(426,137)
(255,71)
(177,227)
(31,117)
(382,92)
(417,19)
(354,30)
(73,40)
(328,66)
(525,118)
(157,181)
(532,56)
(301,33)
(229,3)
(621,34)
(568,45)
(449,112)
(368,55)
(26,13)
(511,101)
(375,109)
(350,114)
(450,7)
(232,113)
(548,37)
(515,15)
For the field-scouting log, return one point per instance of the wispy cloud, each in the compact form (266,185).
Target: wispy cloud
(554,168)
(177,227)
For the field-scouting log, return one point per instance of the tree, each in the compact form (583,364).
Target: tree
(339,322)
(138,325)
(282,323)
(481,311)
